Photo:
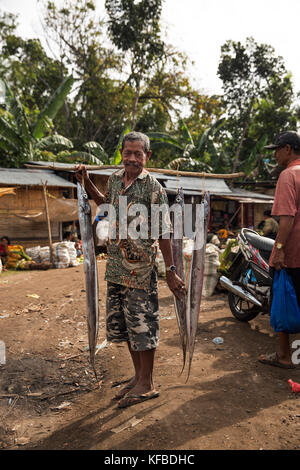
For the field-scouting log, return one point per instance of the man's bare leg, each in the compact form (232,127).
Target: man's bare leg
(284,350)
(143,362)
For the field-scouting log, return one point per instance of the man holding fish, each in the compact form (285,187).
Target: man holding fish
(132,295)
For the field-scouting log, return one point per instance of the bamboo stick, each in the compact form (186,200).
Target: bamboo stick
(153,170)
(48,221)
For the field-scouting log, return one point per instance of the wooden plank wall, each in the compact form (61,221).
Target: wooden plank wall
(26,232)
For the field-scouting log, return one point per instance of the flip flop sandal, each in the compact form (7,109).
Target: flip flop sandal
(273,360)
(123,392)
(131,400)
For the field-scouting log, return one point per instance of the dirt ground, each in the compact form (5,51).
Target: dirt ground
(50,399)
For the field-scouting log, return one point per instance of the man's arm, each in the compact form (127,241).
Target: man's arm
(82,175)
(286,223)
(175,283)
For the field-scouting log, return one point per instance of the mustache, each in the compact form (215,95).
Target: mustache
(132,164)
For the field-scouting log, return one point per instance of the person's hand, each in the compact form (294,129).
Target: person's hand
(176,284)
(81,173)
(278,260)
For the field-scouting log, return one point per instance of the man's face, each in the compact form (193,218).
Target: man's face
(134,156)
(283,155)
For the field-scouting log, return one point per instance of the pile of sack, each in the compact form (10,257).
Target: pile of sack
(64,254)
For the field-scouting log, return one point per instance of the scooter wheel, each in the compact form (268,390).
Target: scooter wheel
(241,309)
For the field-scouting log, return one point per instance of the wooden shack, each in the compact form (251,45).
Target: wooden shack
(22,205)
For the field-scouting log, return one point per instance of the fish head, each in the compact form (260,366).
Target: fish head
(83,199)
(179,199)
(206,201)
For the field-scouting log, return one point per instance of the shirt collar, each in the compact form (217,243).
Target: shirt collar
(294,163)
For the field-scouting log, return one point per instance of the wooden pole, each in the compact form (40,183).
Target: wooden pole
(242,214)
(48,221)
(153,170)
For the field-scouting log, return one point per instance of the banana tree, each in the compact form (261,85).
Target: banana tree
(97,154)
(199,156)
(22,140)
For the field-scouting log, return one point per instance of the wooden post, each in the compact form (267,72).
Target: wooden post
(48,221)
(242,215)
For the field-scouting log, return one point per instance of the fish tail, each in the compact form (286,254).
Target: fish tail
(183,361)
(94,369)
(189,370)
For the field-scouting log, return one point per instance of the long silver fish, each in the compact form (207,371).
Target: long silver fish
(177,248)
(195,283)
(90,270)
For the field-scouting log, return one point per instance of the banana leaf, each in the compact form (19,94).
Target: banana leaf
(185,132)
(84,157)
(10,134)
(162,138)
(17,111)
(53,106)
(203,138)
(174,147)
(117,157)
(97,149)
(7,145)
(53,141)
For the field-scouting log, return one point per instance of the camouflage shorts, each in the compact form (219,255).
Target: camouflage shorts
(132,315)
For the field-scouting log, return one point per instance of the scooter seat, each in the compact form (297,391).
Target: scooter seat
(262,243)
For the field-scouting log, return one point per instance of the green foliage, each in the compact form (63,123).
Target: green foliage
(257,95)
(136,80)
(199,156)
(22,140)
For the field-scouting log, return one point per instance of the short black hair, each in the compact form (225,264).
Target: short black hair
(139,136)
(5,237)
(267,212)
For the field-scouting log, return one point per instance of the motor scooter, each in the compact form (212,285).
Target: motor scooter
(248,281)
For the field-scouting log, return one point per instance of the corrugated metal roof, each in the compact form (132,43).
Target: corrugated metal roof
(239,192)
(188,183)
(22,177)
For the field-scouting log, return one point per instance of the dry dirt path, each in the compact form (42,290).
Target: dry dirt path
(49,398)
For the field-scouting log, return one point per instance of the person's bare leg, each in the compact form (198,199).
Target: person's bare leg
(145,372)
(135,356)
(284,350)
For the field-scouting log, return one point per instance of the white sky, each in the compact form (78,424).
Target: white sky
(200,27)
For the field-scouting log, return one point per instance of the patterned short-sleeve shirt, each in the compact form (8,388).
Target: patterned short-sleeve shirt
(139,215)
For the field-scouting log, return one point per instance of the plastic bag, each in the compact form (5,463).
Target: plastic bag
(285,311)
(102,232)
